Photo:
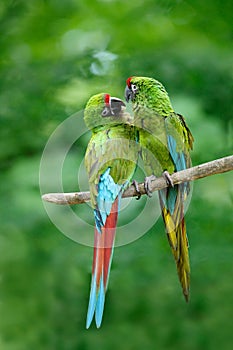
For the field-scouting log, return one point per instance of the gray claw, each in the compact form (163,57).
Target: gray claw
(135,184)
(168,178)
(147,185)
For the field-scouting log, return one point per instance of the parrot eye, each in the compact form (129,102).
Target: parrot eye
(106,112)
(134,88)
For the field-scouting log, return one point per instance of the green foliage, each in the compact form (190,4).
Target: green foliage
(54,56)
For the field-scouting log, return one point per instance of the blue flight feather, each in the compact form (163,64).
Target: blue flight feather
(171,199)
(98,220)
(92,302)
(100,303)
(177,157)
(169,196)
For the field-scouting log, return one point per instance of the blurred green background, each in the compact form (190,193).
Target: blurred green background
(54,55)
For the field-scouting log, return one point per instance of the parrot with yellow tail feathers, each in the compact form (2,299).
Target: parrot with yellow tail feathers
(165,141)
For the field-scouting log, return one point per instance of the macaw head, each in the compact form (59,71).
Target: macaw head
(102,109)
(141,87)
(131,89)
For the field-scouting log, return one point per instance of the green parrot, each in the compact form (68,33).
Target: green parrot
(165,142)
(110,160)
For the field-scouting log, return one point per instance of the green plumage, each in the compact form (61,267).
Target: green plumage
(165,142)
(113,144)
(155,118)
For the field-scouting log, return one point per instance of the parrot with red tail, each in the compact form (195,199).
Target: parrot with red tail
(165,141)
(110,160)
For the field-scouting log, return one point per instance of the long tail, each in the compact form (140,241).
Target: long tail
(102,258)
(172,206)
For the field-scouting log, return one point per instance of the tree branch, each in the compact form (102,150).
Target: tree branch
(217,166)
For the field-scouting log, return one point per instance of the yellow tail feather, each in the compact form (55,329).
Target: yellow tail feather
(177,238)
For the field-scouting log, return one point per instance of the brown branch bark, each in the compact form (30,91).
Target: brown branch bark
(217,166)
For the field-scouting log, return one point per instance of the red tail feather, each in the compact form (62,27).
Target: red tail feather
(103,248)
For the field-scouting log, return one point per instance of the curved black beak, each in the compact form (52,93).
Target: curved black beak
(128,94)
(114,107)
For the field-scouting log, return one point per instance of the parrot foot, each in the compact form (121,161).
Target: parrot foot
(135,184)
(147,184)
(168,178)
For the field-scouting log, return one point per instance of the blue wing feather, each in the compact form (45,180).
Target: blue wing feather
(107,193)
(177,157)
(100,304)
(169,195)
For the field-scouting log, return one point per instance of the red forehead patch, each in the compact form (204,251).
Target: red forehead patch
(107,99)
(128,81)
